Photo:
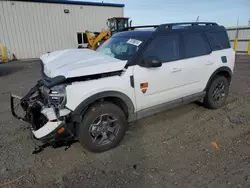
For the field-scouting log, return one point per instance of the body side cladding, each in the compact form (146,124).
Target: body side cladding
(81,108)
(171,104)
(195,97)
(218,71)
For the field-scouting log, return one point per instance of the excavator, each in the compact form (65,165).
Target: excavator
(95,39)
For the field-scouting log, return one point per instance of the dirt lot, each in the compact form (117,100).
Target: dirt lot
(170,149)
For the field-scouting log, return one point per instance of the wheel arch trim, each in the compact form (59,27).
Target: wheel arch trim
(216,72)
(80,109)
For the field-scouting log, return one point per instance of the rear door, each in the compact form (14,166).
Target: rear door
(222,54)
(196,62)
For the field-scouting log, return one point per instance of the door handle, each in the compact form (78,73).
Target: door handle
(176,69)
(209,63)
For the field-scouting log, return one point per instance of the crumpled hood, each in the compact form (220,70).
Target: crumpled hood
(79,62)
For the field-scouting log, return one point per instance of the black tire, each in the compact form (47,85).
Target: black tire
(210,101)
(98,110)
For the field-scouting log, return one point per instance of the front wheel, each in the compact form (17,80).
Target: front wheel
(217,93)
(103,127)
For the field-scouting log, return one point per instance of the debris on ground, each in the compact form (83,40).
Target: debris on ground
(215,146)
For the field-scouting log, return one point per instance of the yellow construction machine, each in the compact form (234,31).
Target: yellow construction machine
(3,54)
(95,39)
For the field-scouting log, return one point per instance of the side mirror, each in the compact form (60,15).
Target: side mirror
(151,62)
(130,23)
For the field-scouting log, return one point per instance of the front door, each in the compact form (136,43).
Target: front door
(155,86)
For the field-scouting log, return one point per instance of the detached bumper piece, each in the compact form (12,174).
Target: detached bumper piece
(61,136)
(47,123)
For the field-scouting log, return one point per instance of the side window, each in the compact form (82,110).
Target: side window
(218,40)
(214,44)
(194,45)
(79,38)
(166,48)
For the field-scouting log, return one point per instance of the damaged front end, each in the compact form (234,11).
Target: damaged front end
(44,109)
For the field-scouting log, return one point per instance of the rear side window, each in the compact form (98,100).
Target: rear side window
(166,48)
(218,40)
(194,45)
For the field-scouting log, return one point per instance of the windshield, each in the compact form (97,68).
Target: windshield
(122,24)
(123,48)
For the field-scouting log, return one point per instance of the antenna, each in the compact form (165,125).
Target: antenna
(197,19)
(238,21)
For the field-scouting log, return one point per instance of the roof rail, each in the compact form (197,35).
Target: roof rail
(138,27)
(170,25)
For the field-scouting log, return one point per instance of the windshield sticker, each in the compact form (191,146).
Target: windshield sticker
(134,42)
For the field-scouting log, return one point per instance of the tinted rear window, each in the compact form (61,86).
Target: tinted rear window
(218,40)
(194,45)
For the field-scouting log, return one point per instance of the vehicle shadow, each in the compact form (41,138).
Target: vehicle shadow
(9,68)
(135,162)
(118,167)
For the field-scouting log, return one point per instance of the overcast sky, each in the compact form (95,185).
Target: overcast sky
(224,12)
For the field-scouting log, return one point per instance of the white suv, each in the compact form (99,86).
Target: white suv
(91,95)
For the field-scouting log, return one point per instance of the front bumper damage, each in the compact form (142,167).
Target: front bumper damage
(48,123)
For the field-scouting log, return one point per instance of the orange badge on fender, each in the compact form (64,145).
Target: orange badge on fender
(144,87)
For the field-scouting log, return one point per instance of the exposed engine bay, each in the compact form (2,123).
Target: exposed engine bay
(44,110)
(32,104)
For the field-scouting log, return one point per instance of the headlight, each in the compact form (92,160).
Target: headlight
(57,96)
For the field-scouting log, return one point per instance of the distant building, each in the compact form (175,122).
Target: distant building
(242,33)
(30,28)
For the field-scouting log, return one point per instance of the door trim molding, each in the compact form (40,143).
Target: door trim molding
(169,105)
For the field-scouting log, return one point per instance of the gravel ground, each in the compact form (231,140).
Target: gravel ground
(171,149)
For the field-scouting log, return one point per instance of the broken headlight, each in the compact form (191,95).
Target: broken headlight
(57,96)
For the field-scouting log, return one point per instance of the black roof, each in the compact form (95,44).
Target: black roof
(173,28)
(135,33)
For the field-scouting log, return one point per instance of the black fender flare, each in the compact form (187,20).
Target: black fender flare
(80,109)
(216,72)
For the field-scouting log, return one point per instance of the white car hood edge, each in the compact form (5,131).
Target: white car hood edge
(72,63)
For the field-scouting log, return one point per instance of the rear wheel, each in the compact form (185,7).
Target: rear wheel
(217,93)
(103,127)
